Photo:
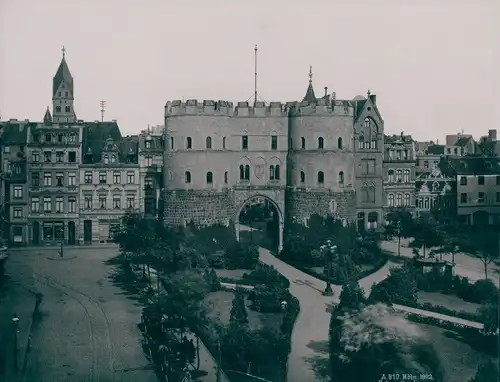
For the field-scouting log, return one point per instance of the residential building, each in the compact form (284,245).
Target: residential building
(14,175)
(488,145)
(109,184)
(477,188)
(151,150)
(460,145)
(435,192)
(428,159)
(399,172)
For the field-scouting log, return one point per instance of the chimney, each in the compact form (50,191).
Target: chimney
(437,141)
(373,98)
(492,135)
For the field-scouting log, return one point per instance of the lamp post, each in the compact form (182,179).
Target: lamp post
(398,230)
(328,250)
(61,253)
(15,324)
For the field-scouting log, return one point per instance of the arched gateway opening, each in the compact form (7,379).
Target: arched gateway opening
(259,221)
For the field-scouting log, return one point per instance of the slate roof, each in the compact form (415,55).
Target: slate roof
(94,137)
(156,143)
(14,133)
(471,166)
(47,119)
(310,96)
(358,107)
(435,149)
(62,73)
(462,142)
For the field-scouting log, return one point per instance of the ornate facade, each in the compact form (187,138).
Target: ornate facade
(435,191)
(304,157)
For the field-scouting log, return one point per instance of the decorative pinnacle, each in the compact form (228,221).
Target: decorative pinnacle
(310,74)
(326,91)
(63,51)
(368,92)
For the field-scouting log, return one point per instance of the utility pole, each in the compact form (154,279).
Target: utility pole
(15,323)
(255,80)
(103,109)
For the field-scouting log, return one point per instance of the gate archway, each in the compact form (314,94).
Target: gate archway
(260,220)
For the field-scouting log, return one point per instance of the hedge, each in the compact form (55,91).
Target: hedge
(475,317)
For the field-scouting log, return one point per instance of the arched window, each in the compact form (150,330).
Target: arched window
(247,172)
(225,177)
(303,143)
(321,142)
(367,122)
(361,142)
(321,177)
(406,176)
(399,200)
(106,159)
(407,199)
(189,143)
(113,158)
(172,143)
(224,143)
(277,172)
(210,177)
(242,172)
(435,187)
(390,200)
(187,177)
(271,172)
(302,177)
(339,143)
(209,143)
(399,175)
(390,176)
(341,178)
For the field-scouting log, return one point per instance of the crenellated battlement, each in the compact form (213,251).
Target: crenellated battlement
(322,107)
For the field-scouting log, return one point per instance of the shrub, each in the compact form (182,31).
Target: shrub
(267,275)
(239,315)
(239,256)
(485,291)
(267,299)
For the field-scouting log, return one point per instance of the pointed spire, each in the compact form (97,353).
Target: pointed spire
(63,51)
(47,119)
(62,74)
(310,96)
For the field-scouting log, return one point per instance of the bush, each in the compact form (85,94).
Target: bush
(267,275)
(239,256)
(485,291)
(267,299)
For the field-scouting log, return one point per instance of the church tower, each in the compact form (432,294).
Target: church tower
(63,94)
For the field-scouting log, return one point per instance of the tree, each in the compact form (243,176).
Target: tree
(425,232)
(452,237)
(483,243)
(486,147)
(239,315)
(400,222)
(486,372)
(489,317)
(376,340)
(351,296)
(399,287)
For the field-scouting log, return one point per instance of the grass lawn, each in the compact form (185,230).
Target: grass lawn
(232,273)
(448,301)
(459,360)
(219,308)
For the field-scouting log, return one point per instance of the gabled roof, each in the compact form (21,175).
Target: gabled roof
(462,141)
(471,166)
(310,96)
(359,105)
(47,118)
(94,136)
(435,149)
(62,74)
(15,133)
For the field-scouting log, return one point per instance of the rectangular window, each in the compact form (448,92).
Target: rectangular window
(498,197)
(47,204)
(480,197)
(117,177)
(72,157)
(47,156)
(35,179)
(117,202)
(18,212)
(480,180)
(463,181)
(72,179)
(130,201)
(59,179)
(48,138)
(148,183)
(463,198)
(35,157)
(59,204)
(274,142)
(59,156)
(130,177)
(18,192)
(72,204)
(102,177)
(426,164)
(88,177)
(498,180)
(244,142)
(88,202)
(368,166)
(102,202)
(35,204)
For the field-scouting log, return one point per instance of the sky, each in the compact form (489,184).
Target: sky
(433,64)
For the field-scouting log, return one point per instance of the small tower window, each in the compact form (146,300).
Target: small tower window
(303,143)
(189,143)
(321,177)
(367,122)
(187,177)
(210,177)
(341,178)
(113,158)
(148,144)
(225,177)
(321,142)
(171,143)
(274,142)
(339,143)
(106,159)
(271,172)
(209,143)
(224,143)
(67,109)
(302,177)
(244,142)
(277,172)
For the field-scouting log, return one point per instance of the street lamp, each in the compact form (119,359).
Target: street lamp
(328,250)
(15,324)
(398,230)
(61,253)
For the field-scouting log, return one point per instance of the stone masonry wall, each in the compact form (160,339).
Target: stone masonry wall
(302,203)
(203,207)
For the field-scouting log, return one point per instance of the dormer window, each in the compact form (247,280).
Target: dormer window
(367,122)
(113,158)
(148,144)
(106,159)
(110,146)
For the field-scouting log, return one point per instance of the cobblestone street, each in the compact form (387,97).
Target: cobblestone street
(86,328)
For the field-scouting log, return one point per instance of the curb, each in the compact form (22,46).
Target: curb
(27,347)
(61,258)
